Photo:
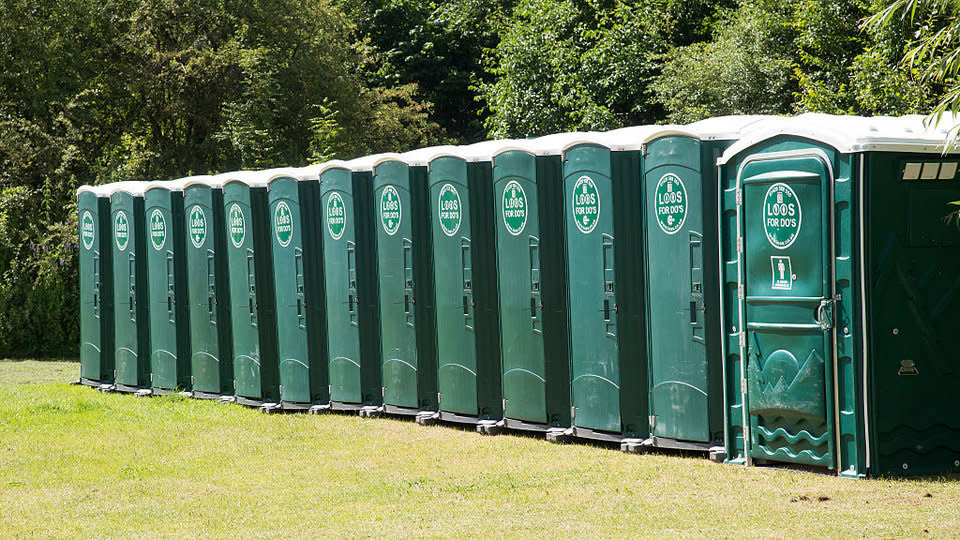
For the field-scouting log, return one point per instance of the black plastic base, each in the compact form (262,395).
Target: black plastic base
(342,406)
(595,435)
(89,382)
(673,444)
(297,406)
(163,391)
(457,418)
(205,395)
(249,402)
(401,411)
(127,389)
(520,425)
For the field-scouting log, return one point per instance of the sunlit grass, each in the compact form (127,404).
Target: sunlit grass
(74,462)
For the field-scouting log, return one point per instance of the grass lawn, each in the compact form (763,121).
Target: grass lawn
(77,463)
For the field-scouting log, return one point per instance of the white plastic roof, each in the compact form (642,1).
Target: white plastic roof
(250,178)
(133,188)
(849,134)
(367,163)
(317,170)
(173,185)
(100,191)
(422,156)
(546,145)
(215,181)
(718,128)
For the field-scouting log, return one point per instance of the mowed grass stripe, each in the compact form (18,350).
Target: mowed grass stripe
(79,463)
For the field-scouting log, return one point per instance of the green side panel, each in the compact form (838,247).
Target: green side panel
(342,286)
(96,288)
(595,361)
(406,286)
(787,280)
(368,288)
(167,286)
(680,193)
(464,270)
(294,240)
(131,314)
(528,194)
(211,357)
(252,299)
(913,297)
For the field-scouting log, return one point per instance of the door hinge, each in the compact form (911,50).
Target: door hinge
(653,421)
(439,397)
(739,244)
(742,338)
(573,411)
(740,291)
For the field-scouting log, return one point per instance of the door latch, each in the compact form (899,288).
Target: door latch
(825,314)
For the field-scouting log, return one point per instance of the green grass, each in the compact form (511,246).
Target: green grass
(74,462)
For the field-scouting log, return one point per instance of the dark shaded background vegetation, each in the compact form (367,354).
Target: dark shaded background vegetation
(96,92)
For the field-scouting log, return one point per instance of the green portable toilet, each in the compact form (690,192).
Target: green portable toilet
(463,242)
(840,292)
(297,249)
(405,276)
(349,284)
(130,297)
(208,290)
(253,314)
(535,371)
(96,286)
(681,281)
(605,267)
(167,286)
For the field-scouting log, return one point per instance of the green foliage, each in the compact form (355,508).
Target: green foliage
(563,65)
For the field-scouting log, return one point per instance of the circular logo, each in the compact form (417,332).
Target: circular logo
(336,215)
(87,229)
(586,204)
(158,229)
(514,207)
(448,204)
(283,224)
(781,215)
(238,228)
(198,227)
(121,230)
(390,210)
(670,203)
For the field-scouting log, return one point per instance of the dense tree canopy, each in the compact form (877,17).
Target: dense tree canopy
(93,92)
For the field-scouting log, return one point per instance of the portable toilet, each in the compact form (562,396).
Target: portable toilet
(681,280)
(130,296)
(840,269)
(463,249)
(167,286)
(298,272)
(350,282)
(96,286)
(531,255)
(253,314)
(405,275)
(605,267)
(208,289)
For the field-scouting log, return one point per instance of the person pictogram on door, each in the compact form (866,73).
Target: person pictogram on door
(782,273)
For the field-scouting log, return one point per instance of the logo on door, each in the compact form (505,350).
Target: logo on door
(87,229)
(670,203)
(586,204)
(198,227)
(283,224)
(514,207)
(336,215)
(121,230)
(781,215)
(158,229)
(390,211)
(238,229)
(448,204)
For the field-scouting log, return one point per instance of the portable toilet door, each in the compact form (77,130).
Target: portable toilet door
(167,287)
(605,268)
(96,286)
(130,296)
(681,281)
(535,372)
(298,273)
(211,355)
(842,335)
(253,315)
(465,274)
(405,272)
(350,283)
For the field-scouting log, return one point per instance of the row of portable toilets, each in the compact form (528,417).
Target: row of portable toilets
(767,289)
